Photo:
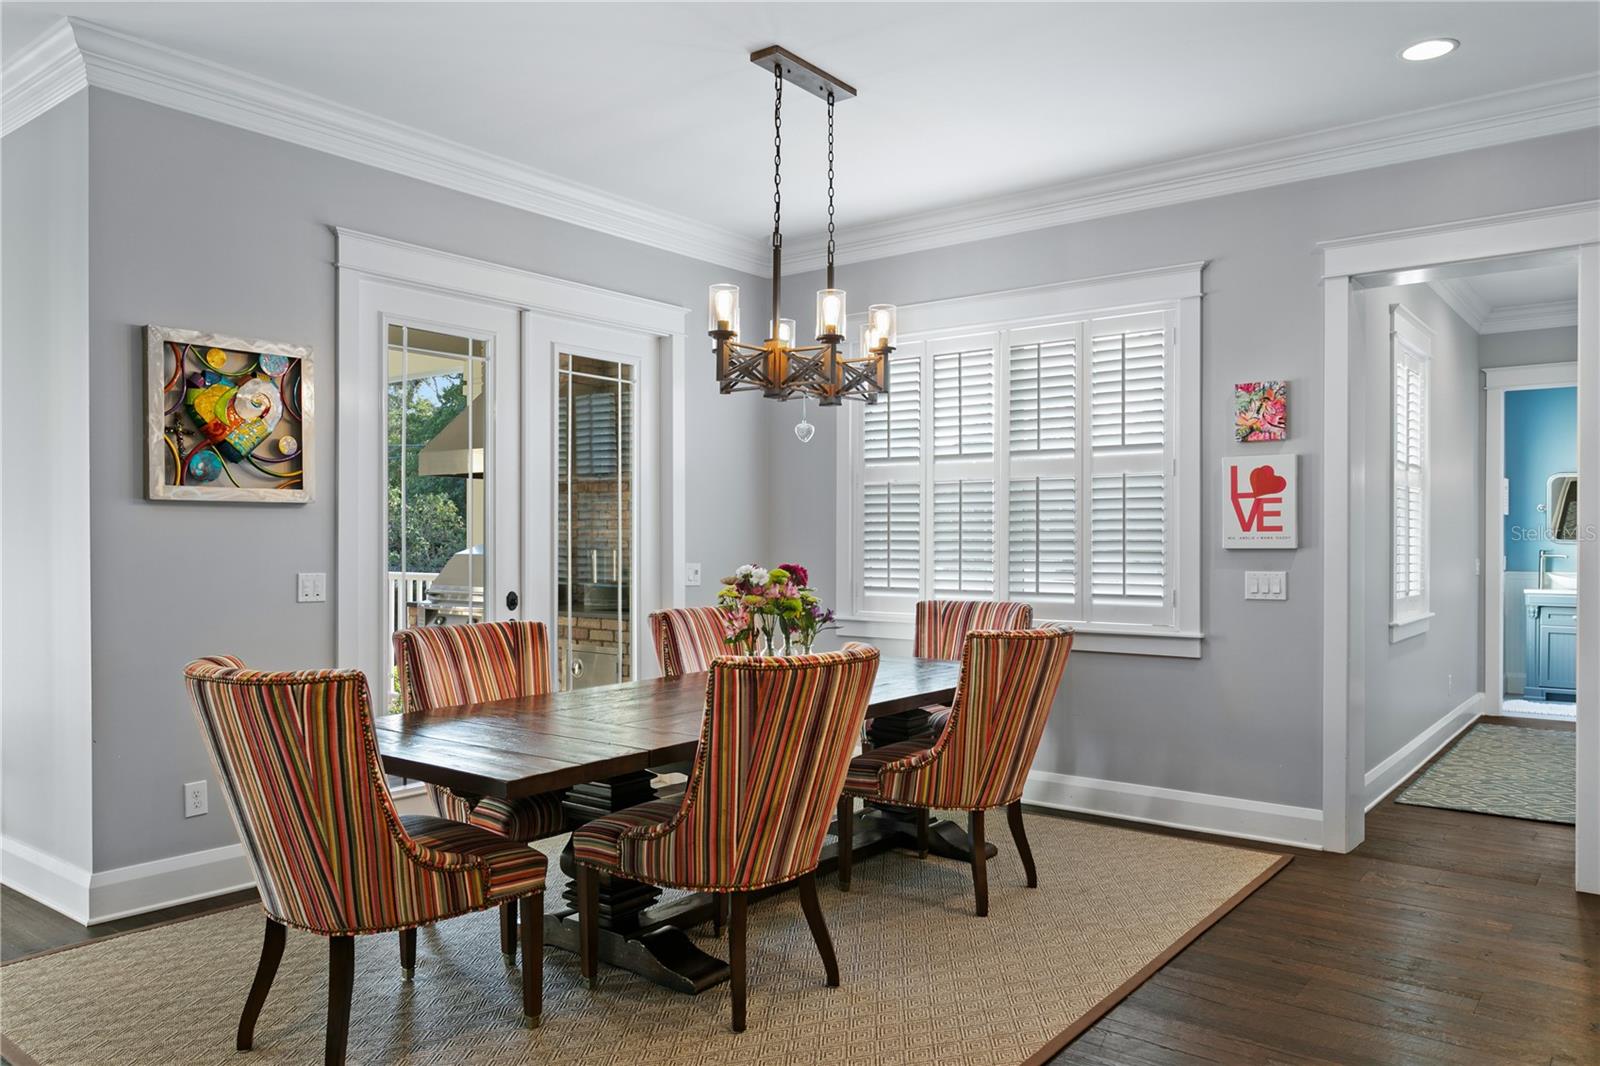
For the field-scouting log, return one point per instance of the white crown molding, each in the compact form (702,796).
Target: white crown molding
(1515,318)
(1505,318)
(1481,122)
(79,53)
(133,67)
(46,73)
(1463,300)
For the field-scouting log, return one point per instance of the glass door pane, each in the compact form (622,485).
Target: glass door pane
(595,521)
(437,428)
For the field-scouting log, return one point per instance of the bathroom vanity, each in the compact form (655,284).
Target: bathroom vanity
(1552,617)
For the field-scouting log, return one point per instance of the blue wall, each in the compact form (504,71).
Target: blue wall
(1541,439)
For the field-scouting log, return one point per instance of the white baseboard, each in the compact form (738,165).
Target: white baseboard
(150,886)
(1274,823)
(59,885)
(1387,775)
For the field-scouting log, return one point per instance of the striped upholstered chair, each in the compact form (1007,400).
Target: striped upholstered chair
(775,742)
(687,639)
(444,666)
(942,628)
(297,759)
(980,759)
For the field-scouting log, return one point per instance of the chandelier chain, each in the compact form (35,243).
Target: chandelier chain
(830,179)
(777,156)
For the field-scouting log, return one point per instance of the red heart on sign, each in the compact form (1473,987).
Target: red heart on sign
(1265,481)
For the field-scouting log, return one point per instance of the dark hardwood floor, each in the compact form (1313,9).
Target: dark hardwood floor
(1446,938)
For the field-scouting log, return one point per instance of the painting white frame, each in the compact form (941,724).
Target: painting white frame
(157,451)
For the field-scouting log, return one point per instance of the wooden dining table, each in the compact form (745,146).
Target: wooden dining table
(606,748)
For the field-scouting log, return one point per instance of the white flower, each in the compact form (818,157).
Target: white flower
(759,577)
(745,571)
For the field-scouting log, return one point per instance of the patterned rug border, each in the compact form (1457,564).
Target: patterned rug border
(15,1055)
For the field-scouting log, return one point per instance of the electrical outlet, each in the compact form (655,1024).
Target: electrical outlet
(311,588)
(1450,681)
(194,799)
(1266,585)
(691,574)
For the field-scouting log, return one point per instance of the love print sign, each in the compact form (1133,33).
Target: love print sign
(1262,506)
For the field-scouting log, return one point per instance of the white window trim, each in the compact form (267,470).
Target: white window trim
(1412,616)
(1177,287)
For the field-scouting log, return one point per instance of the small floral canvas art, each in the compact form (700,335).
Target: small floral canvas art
(1261,410)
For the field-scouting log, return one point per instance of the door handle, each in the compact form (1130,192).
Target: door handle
(512,601)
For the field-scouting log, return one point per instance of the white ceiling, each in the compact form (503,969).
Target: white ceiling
(1539,295)
(657,103)
(1520,288)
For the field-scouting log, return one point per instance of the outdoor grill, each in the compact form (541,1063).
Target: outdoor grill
(455,598)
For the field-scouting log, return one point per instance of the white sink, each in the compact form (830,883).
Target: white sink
(1562,581)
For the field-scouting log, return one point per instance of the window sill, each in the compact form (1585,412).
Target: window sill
(1111,640)
(1406,628)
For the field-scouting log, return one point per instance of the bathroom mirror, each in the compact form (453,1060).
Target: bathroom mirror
(1561,507)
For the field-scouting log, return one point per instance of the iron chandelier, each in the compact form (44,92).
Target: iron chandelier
(779,367)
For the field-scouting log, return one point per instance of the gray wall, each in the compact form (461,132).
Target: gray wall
(201,225)
(1245,720)
(45,439)
(1528,347)
(1412,684)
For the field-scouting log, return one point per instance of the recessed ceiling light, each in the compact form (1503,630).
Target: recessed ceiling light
(1432,48)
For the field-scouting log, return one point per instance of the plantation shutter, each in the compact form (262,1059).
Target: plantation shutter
(891,548)
(1042,465)
(892,427)
(1410,349)
(1127,469)
(962,490)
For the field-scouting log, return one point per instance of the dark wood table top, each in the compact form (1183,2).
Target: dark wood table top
(522,747)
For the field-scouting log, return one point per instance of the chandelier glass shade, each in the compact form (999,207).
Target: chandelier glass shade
(778,366)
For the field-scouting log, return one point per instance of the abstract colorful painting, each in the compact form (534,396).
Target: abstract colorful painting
(229,418)
(1261,411)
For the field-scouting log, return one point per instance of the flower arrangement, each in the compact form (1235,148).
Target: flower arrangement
(771,609)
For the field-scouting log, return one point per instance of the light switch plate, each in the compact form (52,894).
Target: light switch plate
(1266,585)
(691,574)
(311,588)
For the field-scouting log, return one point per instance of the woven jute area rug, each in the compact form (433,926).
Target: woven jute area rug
(1508,770)
(924,981)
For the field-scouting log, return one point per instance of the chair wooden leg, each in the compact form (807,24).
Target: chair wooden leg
(341,982)
(819,928)
(589,924)
(1014,816)
(846,831)
(720,918)
(737,926)
(408,953)
(980,862)
(508,931)
(532,933)
(266,970)
(922,832)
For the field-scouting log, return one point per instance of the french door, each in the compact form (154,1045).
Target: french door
(591,394)
(450,490)
(503,472)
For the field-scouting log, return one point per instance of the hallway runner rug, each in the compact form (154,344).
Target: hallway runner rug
(1513,771)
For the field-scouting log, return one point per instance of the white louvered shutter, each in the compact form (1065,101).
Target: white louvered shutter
(1411,344)
(1042,464)
(891,542)
(893,550)
(963,537)
(963,403)
(1128,467)
(892,427)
